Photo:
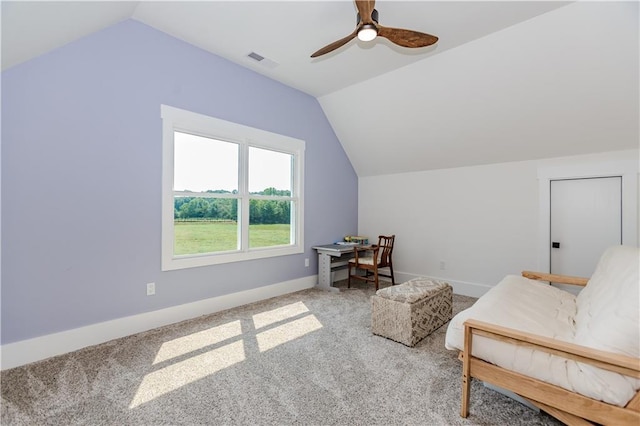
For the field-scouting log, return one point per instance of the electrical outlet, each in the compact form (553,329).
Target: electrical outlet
(306,263)
(443,265)
(151,289)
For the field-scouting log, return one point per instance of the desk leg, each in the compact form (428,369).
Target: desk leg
(324,273)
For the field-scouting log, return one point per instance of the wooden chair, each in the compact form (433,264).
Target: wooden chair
(379,256)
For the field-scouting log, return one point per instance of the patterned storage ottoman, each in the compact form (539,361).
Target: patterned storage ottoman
(409,312)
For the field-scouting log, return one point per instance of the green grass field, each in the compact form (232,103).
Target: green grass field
(208,237)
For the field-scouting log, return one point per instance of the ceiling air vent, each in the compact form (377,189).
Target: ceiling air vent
(265,62)
(254,55)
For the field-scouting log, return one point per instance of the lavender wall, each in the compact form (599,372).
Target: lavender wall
(81,177)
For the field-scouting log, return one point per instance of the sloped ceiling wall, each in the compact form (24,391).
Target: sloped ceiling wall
(563,83)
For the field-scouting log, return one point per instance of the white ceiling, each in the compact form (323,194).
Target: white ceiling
(286,32)
(507,80)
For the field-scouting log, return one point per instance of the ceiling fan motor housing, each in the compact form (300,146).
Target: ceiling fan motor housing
(374,16)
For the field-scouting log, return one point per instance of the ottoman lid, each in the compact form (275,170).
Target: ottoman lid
(413,290)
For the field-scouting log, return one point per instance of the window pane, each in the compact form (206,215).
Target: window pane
(205,225)
(269,172)
(269,223)
(204,164)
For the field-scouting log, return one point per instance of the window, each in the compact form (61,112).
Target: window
(230,192)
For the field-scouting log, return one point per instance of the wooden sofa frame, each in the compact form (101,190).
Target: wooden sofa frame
(569,407)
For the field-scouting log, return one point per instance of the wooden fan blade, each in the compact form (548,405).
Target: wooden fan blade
(406,38)
(365,9)
(333,46)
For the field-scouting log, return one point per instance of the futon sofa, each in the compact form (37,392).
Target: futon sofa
(575,357)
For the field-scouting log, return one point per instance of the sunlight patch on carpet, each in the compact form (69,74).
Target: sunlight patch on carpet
(270,329)
(269,339)
(279,314)
(177,375)
(192,342)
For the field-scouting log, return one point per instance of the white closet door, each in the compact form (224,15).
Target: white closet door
(586,218)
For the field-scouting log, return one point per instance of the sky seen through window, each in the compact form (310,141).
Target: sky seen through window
(202,164)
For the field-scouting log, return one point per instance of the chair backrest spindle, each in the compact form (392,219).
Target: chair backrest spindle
(386,243)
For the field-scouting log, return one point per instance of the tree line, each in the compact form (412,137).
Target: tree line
(260,211)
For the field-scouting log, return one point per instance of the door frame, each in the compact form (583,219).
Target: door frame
(626,169)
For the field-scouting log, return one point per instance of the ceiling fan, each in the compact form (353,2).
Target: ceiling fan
(367,29)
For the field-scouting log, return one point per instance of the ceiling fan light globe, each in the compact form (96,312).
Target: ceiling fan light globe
(367,33)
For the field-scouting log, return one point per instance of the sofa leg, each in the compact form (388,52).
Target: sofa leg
(466,382)
(466,372)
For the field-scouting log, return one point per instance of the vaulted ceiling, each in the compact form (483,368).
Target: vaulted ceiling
(507,81)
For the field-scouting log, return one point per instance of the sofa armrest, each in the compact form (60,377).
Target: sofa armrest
(618,363)
(560,279)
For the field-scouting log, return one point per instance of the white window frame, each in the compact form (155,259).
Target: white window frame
(176,119)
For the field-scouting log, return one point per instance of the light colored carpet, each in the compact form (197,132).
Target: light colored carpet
(306,358)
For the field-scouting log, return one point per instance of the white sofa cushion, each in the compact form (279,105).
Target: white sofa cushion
(608,318)
(608,308)
(539,308)
(526,305)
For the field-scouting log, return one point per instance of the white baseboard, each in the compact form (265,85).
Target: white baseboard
(459,287)
(39,348)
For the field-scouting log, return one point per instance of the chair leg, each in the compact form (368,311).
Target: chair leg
(349,280)
(375,277)
(393,279)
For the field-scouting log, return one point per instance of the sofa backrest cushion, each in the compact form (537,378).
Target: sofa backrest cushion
(608,308)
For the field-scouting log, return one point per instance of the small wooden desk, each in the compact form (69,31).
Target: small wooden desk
(330,257)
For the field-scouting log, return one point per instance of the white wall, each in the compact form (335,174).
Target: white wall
(484,222)
(562,83)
